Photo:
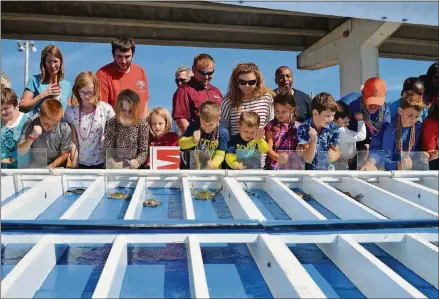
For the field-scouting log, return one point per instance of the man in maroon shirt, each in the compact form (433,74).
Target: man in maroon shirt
(188,97)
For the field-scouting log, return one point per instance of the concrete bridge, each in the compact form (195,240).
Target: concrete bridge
(355,44)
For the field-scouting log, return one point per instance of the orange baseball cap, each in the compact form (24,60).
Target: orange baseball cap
(374,91)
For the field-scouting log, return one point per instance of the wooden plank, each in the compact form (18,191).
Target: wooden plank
(197,275)
(341,205)
(240,204)
(84,206)
(28,275)
(282,271)
(188,207)
(418,255)
(412,191)
(7,187)
(136,203)
(33,202)
(375,280)
(294,206)
(112,276)
(385,202)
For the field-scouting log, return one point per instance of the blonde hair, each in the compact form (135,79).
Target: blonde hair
(413,100)
(131,97)
(52,108)
(163,113)
(234,93)
(82,80)
(250,119)
(209,111)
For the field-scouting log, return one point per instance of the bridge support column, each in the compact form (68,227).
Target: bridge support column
(354,46)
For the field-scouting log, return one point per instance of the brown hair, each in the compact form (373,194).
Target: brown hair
(131,97)
(9,97)
(123,43)
(250,119)
(52,108)
(82,80)
(342,111)
(285,98)
(163,113)
(234,93)
(55,51)
(324,102)
(410,99)
(203,57)
(209,111)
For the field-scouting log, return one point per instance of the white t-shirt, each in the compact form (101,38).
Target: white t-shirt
(91,132)
(348,139)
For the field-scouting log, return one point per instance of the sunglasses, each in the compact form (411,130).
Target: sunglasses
(244,82)
(180,80)
(203,73)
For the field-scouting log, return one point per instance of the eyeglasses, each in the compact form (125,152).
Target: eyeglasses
(86,93)
(249,82)
(203,73)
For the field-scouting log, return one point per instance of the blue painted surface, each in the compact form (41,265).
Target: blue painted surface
(311,254)
(320,281)
(10,198)
(59,207)
(109,208)
(232,272)
(171,207)
(211,209)
(11,254)
(76,272)
(318,206)
(411,277)
(156,271)
(268,207)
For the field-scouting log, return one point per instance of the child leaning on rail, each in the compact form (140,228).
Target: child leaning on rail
(250,138)
(325,136)
(281,132)
(160,122)
(403,134)
(206,134)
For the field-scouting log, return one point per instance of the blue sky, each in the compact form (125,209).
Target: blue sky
(160,63)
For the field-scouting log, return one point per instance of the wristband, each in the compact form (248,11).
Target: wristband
(32,137)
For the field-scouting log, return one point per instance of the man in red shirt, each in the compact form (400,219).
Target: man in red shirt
(188,97)
(122,74)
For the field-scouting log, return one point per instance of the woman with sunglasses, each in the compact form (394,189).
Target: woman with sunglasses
(88,115)
(246,92)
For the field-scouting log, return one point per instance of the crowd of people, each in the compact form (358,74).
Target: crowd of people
(103,120)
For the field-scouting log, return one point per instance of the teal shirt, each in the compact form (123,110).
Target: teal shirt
(36,87)
(10,139)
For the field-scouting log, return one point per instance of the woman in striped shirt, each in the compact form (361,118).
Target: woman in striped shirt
(246,92)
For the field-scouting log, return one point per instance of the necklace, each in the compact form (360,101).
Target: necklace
(89,128)
(374,127)
(399,140)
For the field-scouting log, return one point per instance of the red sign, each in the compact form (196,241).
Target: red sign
(165,157)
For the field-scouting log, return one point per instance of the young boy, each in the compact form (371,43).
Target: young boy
(348,138)
(325,137)
(46,131)
(249,138)
(206,134)
(401,135)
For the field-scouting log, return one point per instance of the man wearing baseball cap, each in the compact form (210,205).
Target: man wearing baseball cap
(371,103)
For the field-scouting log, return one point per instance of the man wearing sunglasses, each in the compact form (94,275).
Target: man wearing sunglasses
(182,75)
(188,97)
(283,77)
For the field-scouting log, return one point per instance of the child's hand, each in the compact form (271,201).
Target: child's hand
(312,134)
(209,165)
(239,166)
(368,166)
(283,158)
(359,116)
(260,133)
(406,163)
(36,131)
(196,136)
(300,150)
(134,164)
(333,156)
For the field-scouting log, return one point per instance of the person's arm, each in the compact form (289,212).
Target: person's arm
(430,137)
(188,141)
(110,136)
(218,158)
(226,109)
(180,109)
(334,142)
(29,133)
(220,152)
(143,147)
(262,145)
(388,146)
(74,152)
(306,140)
(349,136)
(146,108)
(271,153)
(59,160)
